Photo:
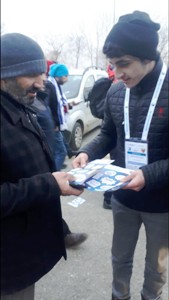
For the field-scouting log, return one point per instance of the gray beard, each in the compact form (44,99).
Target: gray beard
(17,93)
(25,100)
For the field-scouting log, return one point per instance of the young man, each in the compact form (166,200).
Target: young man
(32,240)
(136,123)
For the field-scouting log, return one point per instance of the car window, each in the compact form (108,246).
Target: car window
(88,86)
(89,82)
(100,76)
(72,86)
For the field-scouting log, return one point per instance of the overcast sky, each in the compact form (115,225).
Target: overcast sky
(39,17)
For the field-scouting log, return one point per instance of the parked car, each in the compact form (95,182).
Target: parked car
(76,89)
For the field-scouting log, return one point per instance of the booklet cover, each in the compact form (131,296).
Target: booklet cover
(99,175)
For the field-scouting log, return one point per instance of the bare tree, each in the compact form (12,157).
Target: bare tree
(54,46)
(82,49)
(68,49)
(163,44)
(90,51)
(76,45)
(96,40)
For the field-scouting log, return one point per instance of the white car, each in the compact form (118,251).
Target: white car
(76,89)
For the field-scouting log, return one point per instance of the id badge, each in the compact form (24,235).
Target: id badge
(136,154)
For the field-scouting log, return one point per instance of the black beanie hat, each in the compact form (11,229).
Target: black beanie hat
(20,56)
(136,35)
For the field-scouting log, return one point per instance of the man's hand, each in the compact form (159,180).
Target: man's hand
(63,180)
(137,181)
(80,161)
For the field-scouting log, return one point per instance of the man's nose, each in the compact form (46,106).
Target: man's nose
(119,75)
(39,80)
(118,72)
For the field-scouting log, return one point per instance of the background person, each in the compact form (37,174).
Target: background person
(131,47)
(58,75)
(97,98)
(44,118)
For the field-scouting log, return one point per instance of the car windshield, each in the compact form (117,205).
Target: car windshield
(72,86)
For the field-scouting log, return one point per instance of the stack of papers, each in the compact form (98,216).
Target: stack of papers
(99,175)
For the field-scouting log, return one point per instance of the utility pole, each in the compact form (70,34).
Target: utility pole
(114,11)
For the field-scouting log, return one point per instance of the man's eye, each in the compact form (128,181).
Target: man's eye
(124,64)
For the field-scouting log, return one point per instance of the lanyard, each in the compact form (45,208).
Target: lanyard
(151,107)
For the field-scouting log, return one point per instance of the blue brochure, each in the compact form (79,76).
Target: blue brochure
(99,175)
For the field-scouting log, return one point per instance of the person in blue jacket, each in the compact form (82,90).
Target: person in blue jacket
(136,123)
(45,120)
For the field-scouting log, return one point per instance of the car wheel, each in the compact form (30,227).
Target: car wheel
(76,136)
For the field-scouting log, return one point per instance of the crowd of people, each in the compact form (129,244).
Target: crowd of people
(34,235)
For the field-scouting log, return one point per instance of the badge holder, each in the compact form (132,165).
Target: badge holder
(136,153)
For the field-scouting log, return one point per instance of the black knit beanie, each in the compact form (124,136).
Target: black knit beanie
(136,35)
(20,56)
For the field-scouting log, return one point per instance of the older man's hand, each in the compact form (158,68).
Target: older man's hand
(63,180)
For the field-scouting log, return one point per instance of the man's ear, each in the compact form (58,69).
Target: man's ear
(147,61)
(3,84)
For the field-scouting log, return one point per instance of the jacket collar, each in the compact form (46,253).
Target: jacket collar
(13,108)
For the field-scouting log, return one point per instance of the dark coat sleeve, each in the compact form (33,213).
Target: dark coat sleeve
(156,174)
(53,102)
(38,189)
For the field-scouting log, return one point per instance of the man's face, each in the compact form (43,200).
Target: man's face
(62,80)
(24,88)
(129,69)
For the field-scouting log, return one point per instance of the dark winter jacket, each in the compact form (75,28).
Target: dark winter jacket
(31,221)
(44,117)
(53,102)
(97,97)
(154,197)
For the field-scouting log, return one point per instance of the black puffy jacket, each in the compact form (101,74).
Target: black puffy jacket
(154,197)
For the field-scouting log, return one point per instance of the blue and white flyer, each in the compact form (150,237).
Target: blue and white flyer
(100,175)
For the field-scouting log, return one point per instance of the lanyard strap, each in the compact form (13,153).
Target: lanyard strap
(151,107)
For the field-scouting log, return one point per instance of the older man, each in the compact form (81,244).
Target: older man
(31,220)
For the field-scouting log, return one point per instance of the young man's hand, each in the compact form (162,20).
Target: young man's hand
(80,161)
(136,181)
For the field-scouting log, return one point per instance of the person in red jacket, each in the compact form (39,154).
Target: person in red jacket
(111,73)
